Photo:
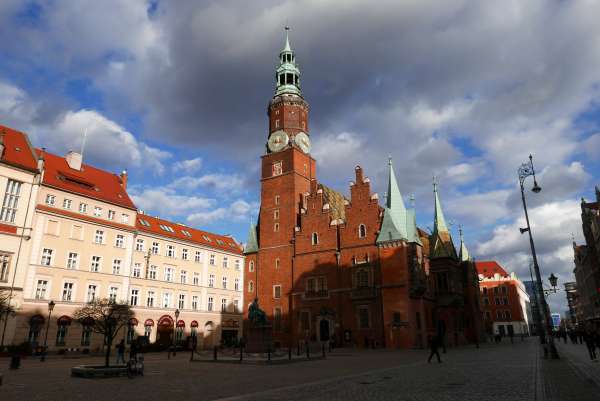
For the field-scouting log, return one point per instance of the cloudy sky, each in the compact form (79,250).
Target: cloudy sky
(176,93)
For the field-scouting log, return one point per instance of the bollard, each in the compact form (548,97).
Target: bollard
(307,351)
(241,353)
(323,346)
(298,351)
(290,353)
(215,353)
(269,354)
(15,362)
(169,353)
(192,355)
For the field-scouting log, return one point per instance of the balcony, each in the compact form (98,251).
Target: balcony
(318,294)
(363,293)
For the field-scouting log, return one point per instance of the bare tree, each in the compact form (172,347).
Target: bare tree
(107,318)
(6,308)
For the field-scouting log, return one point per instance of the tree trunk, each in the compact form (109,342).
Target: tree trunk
(109,341)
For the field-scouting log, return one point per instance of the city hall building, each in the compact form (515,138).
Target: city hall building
(333,268)
(70,234)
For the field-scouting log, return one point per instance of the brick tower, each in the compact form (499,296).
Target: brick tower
(287,172)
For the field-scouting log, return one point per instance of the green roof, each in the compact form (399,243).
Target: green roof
(252,242)
(399,224)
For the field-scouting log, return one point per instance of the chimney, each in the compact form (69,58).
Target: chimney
(74,160)
(41,160)
(124,179)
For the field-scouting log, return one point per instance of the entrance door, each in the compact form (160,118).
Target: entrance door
(501,330)
(324,330)
(164,335)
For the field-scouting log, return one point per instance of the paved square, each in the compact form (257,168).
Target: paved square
(494,372)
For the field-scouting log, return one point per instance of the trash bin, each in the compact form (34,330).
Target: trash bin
(15,361)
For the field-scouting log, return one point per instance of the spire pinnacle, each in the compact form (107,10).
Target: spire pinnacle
(287,47)
(464,252)
(439,220)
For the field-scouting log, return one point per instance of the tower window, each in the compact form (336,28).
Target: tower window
(289,79)
(277,263)
(276,227)
(362,231)
(281,79)
(276,123)
(315,238)
(277,199)
(276,214)
(277,168)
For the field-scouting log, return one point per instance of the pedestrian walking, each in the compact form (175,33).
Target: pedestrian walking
(133,350)
(121,352)
(588,338)
(434,345)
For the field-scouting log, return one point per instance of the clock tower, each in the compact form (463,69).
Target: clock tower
(287,173)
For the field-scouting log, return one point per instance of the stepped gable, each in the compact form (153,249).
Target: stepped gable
(336,202)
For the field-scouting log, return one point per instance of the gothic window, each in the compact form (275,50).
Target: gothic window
(363,317)
(362,231)
(277,263)
(362,278)
(277,291)
(276,227)
(315,238)
(276,214)
(251,286)
(277,198)
(251,266)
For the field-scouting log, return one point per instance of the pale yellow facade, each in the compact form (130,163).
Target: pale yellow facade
(79,249)
(15,237)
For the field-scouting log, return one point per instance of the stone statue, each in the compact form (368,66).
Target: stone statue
(256,315)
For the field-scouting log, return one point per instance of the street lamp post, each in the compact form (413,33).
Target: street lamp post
(525,171)
(50,308)
(175,332)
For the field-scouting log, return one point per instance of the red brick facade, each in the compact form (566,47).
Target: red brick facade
(318,267)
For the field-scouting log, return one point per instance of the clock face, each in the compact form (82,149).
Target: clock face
(277,141)
(303,141)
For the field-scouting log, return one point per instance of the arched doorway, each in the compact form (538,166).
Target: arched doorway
(164,331)
(324,330)
(35,326)
(209,327)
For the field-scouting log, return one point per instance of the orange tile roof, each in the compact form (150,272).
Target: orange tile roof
(18,151)
(488,268)
(90,181)
(153,225)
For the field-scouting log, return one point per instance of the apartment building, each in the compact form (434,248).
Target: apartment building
(19,183)
(505,300)
(87,241)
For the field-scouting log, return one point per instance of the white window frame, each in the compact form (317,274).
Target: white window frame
(140,244)
(67,203)
(83,208)
(120,241)
(72,260)
(10,204)
(50,199)
(95,266)
(99,237)
(47,257)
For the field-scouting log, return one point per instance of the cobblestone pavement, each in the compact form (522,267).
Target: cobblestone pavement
(493,372)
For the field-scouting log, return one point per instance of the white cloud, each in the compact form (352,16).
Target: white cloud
(219,182)
(479,208)
(188,166)
(167,203)
(238,211)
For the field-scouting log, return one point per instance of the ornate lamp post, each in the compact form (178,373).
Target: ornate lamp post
(50,308)
(525,171)
(175,332)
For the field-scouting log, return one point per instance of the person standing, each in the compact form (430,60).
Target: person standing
(133,350)
(121,352)
(434,345)
(589,340)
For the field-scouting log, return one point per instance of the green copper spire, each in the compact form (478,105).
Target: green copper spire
(398,222)
(287,77)
(252,243)
(441,241)
(464,252)
(439,220)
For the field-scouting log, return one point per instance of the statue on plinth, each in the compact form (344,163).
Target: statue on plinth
(256,315)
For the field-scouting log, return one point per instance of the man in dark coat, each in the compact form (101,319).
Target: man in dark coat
(434,345)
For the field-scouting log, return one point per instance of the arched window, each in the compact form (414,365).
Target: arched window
(362,231)
(362,278)
(315,238)
(250,286)
(277,263)
(251,266)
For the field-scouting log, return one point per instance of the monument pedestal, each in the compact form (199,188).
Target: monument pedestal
(259,338)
